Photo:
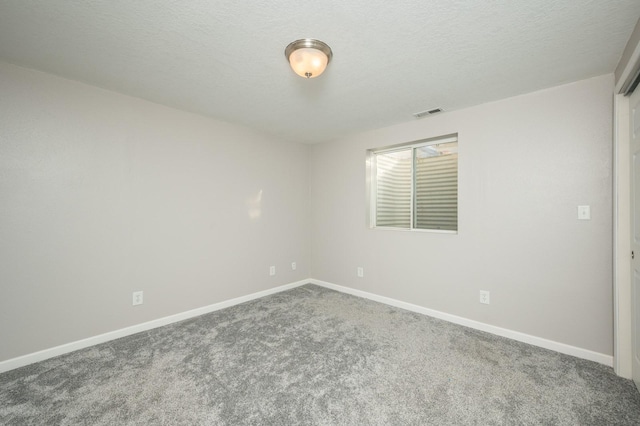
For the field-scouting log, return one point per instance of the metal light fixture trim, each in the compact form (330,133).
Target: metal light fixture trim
(308,57)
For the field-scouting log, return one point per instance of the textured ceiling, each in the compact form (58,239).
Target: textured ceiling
(225,59)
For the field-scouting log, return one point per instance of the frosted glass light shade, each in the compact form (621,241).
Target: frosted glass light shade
(308,62)
(308,57)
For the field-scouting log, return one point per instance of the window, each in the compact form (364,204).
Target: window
(415,186)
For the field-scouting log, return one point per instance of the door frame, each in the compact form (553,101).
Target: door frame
(622,339)
(622,244)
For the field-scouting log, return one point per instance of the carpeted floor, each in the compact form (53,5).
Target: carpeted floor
(315,356)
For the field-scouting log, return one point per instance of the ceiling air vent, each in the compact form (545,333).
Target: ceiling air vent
(422,114)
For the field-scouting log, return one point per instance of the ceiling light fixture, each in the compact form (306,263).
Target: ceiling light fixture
(308,57)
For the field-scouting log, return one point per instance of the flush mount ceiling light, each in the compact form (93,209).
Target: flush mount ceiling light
(308,57)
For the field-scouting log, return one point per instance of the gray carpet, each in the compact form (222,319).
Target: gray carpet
(315,356)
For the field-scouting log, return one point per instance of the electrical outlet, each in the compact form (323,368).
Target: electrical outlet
(272,270)
(360,271)
(293,266)
(584,213)
(137,298)
(484,297)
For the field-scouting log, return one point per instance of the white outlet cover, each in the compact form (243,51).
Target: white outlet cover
(360,272)
(138,298)
(584,212)
(272,270)
(293,266)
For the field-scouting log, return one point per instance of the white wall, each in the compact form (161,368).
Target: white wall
(525,165)
(102,194)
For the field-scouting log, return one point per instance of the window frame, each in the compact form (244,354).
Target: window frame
(372,189)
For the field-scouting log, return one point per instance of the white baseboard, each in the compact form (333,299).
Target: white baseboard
(21,361)
(515,335)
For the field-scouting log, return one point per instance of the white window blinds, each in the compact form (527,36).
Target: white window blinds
(436,187)
(416,186)
(393,178)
